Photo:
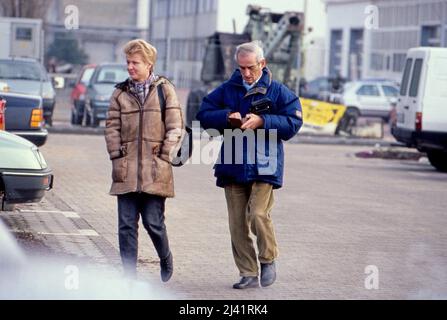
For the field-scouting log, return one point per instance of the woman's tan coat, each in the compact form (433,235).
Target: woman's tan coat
(140,145)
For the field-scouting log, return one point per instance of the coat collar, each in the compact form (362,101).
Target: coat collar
(125,85)
(260,87)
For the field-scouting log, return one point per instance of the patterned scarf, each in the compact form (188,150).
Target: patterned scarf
(141,89)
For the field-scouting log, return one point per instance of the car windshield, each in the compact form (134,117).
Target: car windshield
(21,70)
(390,91)
(111,74)
(87,75)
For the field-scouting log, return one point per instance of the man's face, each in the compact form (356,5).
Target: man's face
(250,68)
(136,67)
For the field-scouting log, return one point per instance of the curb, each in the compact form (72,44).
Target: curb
(69,129)
(349,141)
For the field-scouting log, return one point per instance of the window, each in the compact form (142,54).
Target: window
(161,7)
(415,78)
(191,6)
(406,76)
(356,53)
(335,52)
(431,36)
(377,61)
(398,62)
(368,90)
(21,70)
(390,91)
(24,34)
(112,75)
(87,75)
(161,49)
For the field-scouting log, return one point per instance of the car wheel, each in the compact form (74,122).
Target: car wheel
(88,119)
(6,206)
(438,159)
(49,121)
(95,122)
(73,118)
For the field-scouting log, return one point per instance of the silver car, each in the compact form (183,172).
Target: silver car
(28,76)
(370,98)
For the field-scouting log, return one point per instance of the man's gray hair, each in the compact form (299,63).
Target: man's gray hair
(250,47)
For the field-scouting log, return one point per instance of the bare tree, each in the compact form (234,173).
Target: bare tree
(25,8)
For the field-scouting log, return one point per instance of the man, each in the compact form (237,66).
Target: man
(248,183)
(142,141)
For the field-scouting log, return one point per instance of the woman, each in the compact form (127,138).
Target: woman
(142,141)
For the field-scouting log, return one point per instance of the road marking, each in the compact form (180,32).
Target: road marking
(67,214)
(88,232)
(82,232)
(70,214)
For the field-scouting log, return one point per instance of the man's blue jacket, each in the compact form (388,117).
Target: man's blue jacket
(251,155)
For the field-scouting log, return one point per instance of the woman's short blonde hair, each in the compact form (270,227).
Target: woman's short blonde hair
(147,51)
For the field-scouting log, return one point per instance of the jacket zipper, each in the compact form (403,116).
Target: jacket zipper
(140,137)
(140,142)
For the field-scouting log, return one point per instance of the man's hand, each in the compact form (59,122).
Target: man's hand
(235,119)
(252,121)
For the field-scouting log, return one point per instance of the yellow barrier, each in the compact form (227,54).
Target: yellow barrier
(321,116)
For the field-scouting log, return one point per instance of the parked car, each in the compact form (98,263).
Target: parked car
(24,173)
(78,93)
(421,113)
(100,89)
(24,117)
(321,87)
(28,76)
(370,98)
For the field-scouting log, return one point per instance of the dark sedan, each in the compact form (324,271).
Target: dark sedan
(24,117)
(24,173)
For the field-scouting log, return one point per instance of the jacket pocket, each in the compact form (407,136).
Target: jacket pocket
(119,169)
(160,170)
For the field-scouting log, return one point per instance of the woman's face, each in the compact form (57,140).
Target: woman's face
(137,68)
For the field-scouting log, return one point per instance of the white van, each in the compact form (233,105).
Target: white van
(421,110)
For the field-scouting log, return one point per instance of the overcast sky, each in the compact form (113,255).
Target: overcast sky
(236,9)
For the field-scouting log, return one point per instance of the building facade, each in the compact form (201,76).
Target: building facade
(104,25)
(178,29)
(369,39)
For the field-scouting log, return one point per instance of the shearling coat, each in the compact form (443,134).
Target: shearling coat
(142,146)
